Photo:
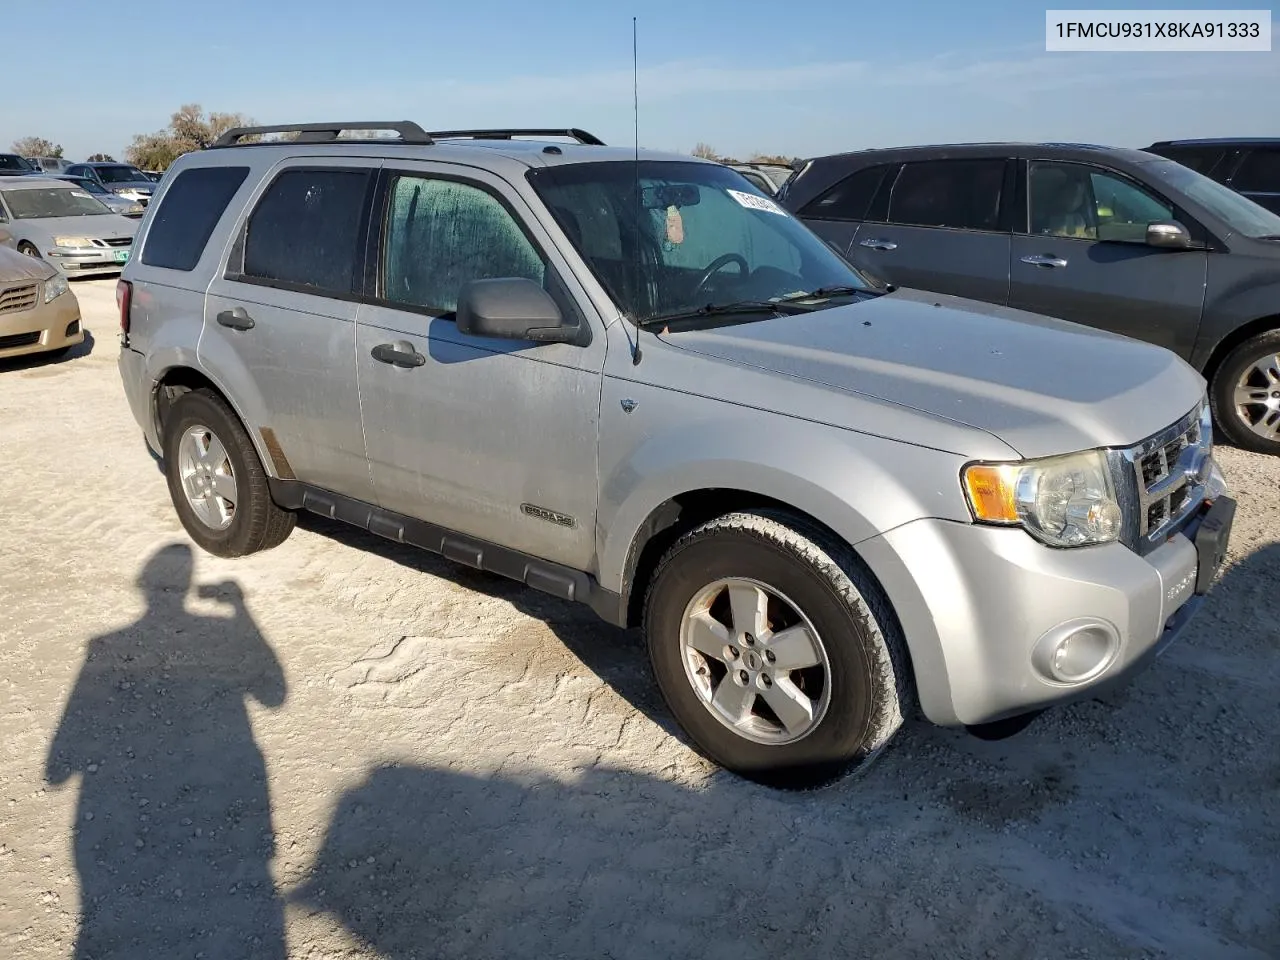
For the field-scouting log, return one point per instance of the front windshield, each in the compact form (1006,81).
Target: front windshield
(9,161)
(1241,214)
(92,186)
(697,234)
(121,174)
(39,204)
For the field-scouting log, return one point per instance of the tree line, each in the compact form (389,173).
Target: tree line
(191,129)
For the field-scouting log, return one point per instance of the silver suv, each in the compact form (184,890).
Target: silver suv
(632,380)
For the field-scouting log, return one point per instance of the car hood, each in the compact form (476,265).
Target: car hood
(15,267)
(96,226)
(1043,386)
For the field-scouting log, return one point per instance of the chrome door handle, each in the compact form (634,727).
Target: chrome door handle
(1041,260)
(880,244)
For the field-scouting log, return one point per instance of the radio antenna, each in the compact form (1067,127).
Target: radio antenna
(635,107)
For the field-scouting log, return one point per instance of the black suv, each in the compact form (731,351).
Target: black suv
(1120,239)
(1249,166)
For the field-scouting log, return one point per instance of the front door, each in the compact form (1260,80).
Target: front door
(491,438)
(280,320)
(1084,257)
(943,230)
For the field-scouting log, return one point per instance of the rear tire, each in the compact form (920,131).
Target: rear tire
(1246,394)
(216,479)
(821,613)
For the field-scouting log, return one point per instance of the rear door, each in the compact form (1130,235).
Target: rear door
(282,316)
(1258,177)
(1082,256)
(945,229)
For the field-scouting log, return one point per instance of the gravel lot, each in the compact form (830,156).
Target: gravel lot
(344,748)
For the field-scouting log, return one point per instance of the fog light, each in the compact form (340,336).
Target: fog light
(72,328)
(1076,651)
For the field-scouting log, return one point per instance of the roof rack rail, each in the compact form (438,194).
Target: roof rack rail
(506,134)
(326,132)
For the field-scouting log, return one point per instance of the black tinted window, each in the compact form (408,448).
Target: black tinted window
(964,194)
(849,199)
(305,229)
(1201,160)
(185,219)
(1259,171)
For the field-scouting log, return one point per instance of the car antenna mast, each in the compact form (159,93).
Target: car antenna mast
(635,107)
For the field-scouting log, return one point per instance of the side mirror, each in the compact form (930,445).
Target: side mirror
(1168,234)
(511,308)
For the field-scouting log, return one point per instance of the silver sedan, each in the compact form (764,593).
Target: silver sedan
(117,204)
(65,226)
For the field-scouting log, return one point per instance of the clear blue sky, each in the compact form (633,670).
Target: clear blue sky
(792,77)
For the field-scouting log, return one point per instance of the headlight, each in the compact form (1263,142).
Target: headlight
(1063,501)
(54,287)
(72,242)
(136,209)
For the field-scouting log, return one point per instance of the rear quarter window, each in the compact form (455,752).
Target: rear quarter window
(187,215)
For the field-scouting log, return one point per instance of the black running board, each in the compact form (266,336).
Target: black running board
(553,578)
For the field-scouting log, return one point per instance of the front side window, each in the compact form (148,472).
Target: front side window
(1259,172)
(669,236)
(306,229)
(961,194)
(43,204)
(1085,203)
(850,199)
(441,234)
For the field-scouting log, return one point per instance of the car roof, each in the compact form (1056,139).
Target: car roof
(1011,148)
(35,183)
(103,163)
(479,151)
(1217,142)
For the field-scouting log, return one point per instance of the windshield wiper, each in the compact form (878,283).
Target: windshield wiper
(723,310)
(823,293)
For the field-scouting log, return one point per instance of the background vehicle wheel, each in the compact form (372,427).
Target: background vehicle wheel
(216,480)
(29,249)
(776,650)
(1246,394)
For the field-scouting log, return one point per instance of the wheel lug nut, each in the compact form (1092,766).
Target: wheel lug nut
(749,640)
(744,676)
(771,656)
(766,680)
(734,653)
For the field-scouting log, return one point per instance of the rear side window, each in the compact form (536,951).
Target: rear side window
(849,199)
(1259,172)
(306,229)
(963,194)
(187,215)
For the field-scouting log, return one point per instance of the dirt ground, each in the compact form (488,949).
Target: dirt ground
(344,748)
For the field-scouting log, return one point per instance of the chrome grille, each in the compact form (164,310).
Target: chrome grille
(1169,474)
(113,241)
(17,299)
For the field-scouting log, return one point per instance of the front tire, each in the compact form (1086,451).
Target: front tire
(29,250)
(216,479)
(1246,394)
(776,650)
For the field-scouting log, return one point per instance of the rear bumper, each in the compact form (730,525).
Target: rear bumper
(50,326)
(986,611)
(137,390)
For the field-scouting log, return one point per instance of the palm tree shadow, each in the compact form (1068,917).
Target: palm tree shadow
(173,831)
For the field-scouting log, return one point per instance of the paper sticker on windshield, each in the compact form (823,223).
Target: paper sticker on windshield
(752,202)
(77,193)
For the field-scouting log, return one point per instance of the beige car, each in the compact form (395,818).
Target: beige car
(38,314)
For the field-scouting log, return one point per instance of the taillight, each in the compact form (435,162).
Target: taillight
(124,300)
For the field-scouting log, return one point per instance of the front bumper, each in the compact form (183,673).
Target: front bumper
(984,609)
(86,261)
(49,326)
